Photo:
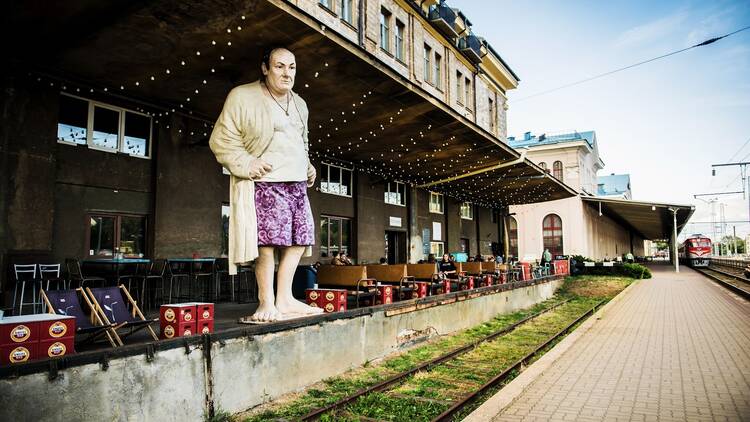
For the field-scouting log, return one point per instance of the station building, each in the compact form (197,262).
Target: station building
(600,222)
(109,107)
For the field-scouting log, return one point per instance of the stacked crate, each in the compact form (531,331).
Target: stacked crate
(31,337)
(186,319)
(330,300)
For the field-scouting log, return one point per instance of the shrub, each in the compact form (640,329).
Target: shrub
(636,271)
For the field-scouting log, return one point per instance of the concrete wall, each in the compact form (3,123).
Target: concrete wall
(246,370)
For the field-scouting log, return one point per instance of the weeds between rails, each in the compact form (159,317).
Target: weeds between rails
(425,394)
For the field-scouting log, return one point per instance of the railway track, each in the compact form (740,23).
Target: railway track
(736,283)
(461,376)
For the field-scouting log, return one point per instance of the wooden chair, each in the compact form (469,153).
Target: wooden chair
(111,303)
(425,273)
(392,274)
(65,302)
(350,277)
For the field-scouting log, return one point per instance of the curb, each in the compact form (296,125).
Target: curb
(502,399)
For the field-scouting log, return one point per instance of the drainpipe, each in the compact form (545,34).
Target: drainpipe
(361,22)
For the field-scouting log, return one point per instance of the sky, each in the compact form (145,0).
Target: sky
(666,122)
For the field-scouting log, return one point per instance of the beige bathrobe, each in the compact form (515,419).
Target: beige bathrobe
(241,134)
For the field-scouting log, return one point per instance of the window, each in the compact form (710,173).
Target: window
(225,229)
(467,93)
(326,4)
(459,88)
(427,63)
(400,54)
(438,71)
(493,217)
(512,237)
(336,180)
(395,193)
(552,234)
(436,203)
(335,235)
(493,115)
(437,249)
(543,166)
(346,10)
(557,170)
(467,211)
(385,34)
(103,127)
(73,120)
(112,233)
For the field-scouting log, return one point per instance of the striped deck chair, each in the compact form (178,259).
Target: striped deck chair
(65,302)
(111,303)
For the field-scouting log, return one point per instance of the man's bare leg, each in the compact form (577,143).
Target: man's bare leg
(285,302)
(264,264)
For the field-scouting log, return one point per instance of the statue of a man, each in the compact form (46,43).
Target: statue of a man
(261,138)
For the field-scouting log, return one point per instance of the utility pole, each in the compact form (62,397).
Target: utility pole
(674,241)
(745,179)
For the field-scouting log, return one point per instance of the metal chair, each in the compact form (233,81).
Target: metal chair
(24,273)
(51,273)
(73,265)
(204,270)
(177,273)
(156,273)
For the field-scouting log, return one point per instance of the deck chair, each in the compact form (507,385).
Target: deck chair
(111,303)
(65,302)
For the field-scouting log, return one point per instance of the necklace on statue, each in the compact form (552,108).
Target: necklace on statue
(286,110)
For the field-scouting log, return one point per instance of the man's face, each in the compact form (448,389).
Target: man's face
(280,74)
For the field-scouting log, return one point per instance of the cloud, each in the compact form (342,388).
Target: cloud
(652,30)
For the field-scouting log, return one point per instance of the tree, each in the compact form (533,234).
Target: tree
(728,242)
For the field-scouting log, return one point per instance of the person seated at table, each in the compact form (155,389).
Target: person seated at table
(471,259)
(446,266)
(383,261)
(337,259)
(345,259)
(479,258)
(431,258)
(546,257)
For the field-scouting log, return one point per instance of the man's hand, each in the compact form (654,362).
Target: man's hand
(259,168)
(311,174)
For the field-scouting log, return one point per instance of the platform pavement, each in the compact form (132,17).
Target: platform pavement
(672,348)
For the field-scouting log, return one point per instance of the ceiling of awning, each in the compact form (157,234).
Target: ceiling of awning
(651,220)
(361,111)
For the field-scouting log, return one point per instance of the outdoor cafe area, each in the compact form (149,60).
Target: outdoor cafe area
(89,290)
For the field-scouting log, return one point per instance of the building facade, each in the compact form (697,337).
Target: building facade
(568,226)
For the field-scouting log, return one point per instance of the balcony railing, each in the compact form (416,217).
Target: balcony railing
(444,19)
(472,47)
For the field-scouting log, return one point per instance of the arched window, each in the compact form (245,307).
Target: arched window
(557,171)
(543,165)
(512,237)
(552,234)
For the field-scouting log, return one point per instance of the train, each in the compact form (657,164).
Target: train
(695,251)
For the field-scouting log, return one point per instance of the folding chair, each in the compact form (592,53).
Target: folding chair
(112,305)
(65,302)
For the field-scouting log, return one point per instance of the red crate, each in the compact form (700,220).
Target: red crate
(420,290)
(467,283)
(18,353)
(55,329)
(525,270)
(385,295)
(204,311)
(181,329)
(486,280)
(204,327)
(331,300)
(56,348)
(561,267)
(177,313)
(18,331)
(444,286)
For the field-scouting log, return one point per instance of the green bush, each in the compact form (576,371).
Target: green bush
(581,258)
(636,271)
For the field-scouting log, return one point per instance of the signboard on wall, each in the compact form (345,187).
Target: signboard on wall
(437,230)
(394,221)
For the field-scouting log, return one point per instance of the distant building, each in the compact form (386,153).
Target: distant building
(570,226)
(614,185)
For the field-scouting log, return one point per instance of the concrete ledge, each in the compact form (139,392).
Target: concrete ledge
(240,368)
(497,403)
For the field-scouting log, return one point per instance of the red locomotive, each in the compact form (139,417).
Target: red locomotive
(695,251)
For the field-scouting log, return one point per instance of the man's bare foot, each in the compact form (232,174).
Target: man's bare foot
(265,313)
(293,306)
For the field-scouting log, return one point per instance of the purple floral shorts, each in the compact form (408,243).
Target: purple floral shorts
(284,215)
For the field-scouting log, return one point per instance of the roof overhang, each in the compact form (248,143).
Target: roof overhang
(650,220)
(362,111)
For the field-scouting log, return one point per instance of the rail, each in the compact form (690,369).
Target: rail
(729,262)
